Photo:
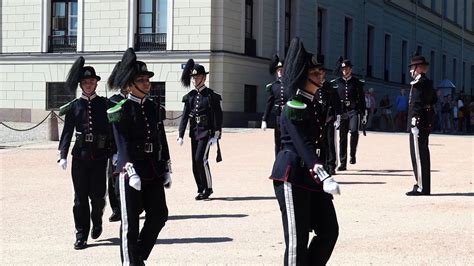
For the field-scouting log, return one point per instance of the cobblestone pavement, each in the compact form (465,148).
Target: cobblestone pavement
(241,225)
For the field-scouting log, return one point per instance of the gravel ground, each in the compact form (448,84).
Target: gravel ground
(241,225)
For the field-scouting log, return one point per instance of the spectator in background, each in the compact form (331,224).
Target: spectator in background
(402,109)
(446,113)
(370,106)
(461,111)
(438,119)
(386,113)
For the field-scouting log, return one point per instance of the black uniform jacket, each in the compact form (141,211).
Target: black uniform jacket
(301,132)
(203,110)
(277,98)
(88,116)
(351,93)
(329,101)
(140,137)
(422,99)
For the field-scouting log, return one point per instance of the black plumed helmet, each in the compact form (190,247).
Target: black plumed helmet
(79,72)
(418,59)
(275,64)
(127,69)
(111,84)
(186,75)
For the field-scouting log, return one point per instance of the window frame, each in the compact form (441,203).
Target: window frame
(52,103)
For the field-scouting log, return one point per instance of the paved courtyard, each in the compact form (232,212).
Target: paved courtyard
(241,225)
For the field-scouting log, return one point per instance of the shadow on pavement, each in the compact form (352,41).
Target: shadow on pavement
(465,194)
(193,240)
(362,183)
(389,171)
(205,216)
(115,241)
(244,198)
(372,174)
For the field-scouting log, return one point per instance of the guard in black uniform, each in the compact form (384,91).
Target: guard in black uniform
(420,116)
(202,107)
(351,93)
(112,175)
(143,160)
(87,115)
(301,184)
(277,98)
(330,105)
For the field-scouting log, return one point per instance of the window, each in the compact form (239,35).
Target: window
(432,65)
(56,95)
(419,49)
(370,50)
(433,5)
(387,51)
(322,31)
(250,43)
(250,99)
(152,25)
(347,38)
(404,61)
(472,18)
(455,11)
(445,8)
(444,66)
(287,24)
(463,75)
(63,35)
(158,93)
(455,72)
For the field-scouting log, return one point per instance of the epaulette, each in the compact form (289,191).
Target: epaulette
(295,110)
(66,107)
(268,87)
(217,96)
(162,113)
(185,98)
(334,84)
(114,114)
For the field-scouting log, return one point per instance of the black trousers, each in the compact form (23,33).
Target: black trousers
(202,172)
(424,157)
(330,146)
(304,211)
(349,122)
(136,244)
(112,187)
(276,135)
(89,181)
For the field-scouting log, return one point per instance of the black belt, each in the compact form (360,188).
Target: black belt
(99,139)
(200,119)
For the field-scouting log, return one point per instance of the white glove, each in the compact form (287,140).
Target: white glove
(134,180)
(213,140)
(414,129)
(264,125)
(364,119)
(180,141)
(63,164)
(167,180)
(114,159)
(320,172)
(337,123)
(414,122)
(331,186)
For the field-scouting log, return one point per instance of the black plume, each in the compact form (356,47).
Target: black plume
(186,76)
(337,70)
(274,64)
(296,67)
(111,83)
(127,69)
(74,75)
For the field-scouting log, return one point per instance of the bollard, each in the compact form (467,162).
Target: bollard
(53,127)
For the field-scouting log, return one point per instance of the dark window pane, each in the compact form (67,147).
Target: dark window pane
(59,9)
(158,92)
(145,20)
(73,8)
(57,95)
(250,99)
(146,5)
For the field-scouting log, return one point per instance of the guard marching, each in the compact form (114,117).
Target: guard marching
(276,100)
(351,93)
(143,160)
(301,184)
(87,115)
(420,116)
(202,108)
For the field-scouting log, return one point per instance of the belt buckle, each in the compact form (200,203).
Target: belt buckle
(89,137)
(198,119)
(348,103)
(148,147)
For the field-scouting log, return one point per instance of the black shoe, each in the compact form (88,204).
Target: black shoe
(200,196)
(80,244)
(96,232)
(115,217)
(207,193)
(416,193)
(342,168)
(353,160)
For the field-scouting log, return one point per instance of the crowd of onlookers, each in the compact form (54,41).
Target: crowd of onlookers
(451,114)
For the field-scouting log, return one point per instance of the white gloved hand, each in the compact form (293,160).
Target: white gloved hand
(320,172)
(134,180)
(180,141)
(331,186)
(63,164)
(167,180)
(364,119)
(415,131)
(337,123)
(264,125)
(213,140)
(114,159)
(414,122)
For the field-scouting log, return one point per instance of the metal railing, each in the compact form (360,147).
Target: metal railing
(150,41)
(62,44)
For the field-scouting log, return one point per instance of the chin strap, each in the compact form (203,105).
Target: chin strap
(140,90)
(315,83)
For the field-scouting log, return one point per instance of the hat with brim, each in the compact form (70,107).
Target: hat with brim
(418,60)
(346,63)
(143,70)
(89,72)
(198,70)
(314,62)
